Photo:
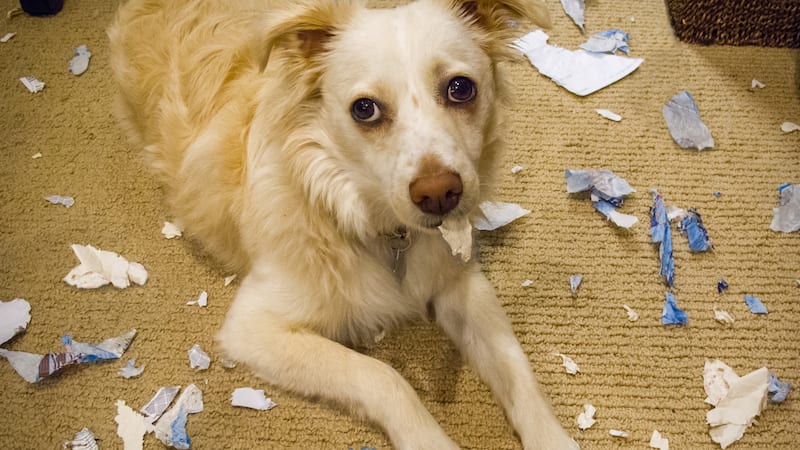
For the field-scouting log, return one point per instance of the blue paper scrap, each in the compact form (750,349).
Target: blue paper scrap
(777,389)
(608,41)
(672,315)
(722,285)
(755,305)
(608,192)
(684,123)
(692,227)
(661,234)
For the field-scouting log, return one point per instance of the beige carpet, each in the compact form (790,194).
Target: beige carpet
(640,375)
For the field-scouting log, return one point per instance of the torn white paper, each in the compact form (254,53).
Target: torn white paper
(202,300)
(738,400)
(527,283)
(579,71)
(586,418)
(517,169)
(633,316)
(757,84)
(160,402)
(574,283)
(171,428)
(722,316)
(7,37)
(171,231)
(574,9)
(684,123)
(32,84)
(131,426)
(498,214)
(14,318)
(618,433)
(229,279)
(610,115)
(659,442)
(198,359)
(83,440)
(675,213)
(252,398)
(788,127)
(60,200)
(568,363)
(36,155)
(99,267)
(130,370)
(80,62)
(458,235)
(786,217)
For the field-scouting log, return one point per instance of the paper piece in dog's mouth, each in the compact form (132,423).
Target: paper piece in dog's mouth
(633,316)
(131,426)
(171,230)
(202,300)
(671,314)
(171,428)
(658,441)
(498,214)
(252,398)
(574,283)
(14,318)
(610,115)
(661,234)
(458,235)
(568,363)
(786,217)
(34,367)
(130,370)
(32,84)
(737,400)
(7,37)
(755,304)
(619,433)
(83,440)
(100,267)
(159,403)
(579,71)
(80,62)
(586,418)
(575,10)
(608,41)
(788,127)
(608,192)
(198,359)
(64,200)
(684,123)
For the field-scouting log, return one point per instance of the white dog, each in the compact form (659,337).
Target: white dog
(317,147)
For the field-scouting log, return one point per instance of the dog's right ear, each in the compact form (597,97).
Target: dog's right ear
(302,30)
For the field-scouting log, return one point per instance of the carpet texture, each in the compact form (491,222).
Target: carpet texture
(640,375)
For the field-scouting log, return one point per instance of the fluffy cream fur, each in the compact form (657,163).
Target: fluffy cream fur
(243,109)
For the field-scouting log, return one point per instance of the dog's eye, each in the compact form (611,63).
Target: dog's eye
(461,90)
(365,110)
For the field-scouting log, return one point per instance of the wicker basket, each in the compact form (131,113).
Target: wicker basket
(766,23)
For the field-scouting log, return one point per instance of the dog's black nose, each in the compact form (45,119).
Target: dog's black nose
(437,194)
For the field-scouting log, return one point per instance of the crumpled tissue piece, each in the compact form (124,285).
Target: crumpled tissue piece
(14,318)
(171,230)
(171,428)
(633,316)
(32,84)
(568,363)
(527,283)
(498,214)
(722,316)
(755,304)
(692,227)
(671,314)
(575,9)
(586,418)
(607,192)
(83,440)
(574,283)
(458,235)
(786,217)
(661,234)
(608,41)
(131,426)
(757,84)
(159,403)
(99,267)
(33,367)
(788,127)
(777,389)
(579,71)
(252,398)
(80,62)
(198,359)
(202,300)
(619,433)
(659,442)
(60,200)
(737,400)
(610,115)
(130,370)
(684,123)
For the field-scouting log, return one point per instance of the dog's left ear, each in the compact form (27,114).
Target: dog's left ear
(498,19)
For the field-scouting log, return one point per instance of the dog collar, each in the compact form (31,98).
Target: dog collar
(399,241)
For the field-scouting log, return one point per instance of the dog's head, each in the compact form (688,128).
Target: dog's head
(404,104)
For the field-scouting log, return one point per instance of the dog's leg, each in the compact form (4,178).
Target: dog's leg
(306,363)
(469,313)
